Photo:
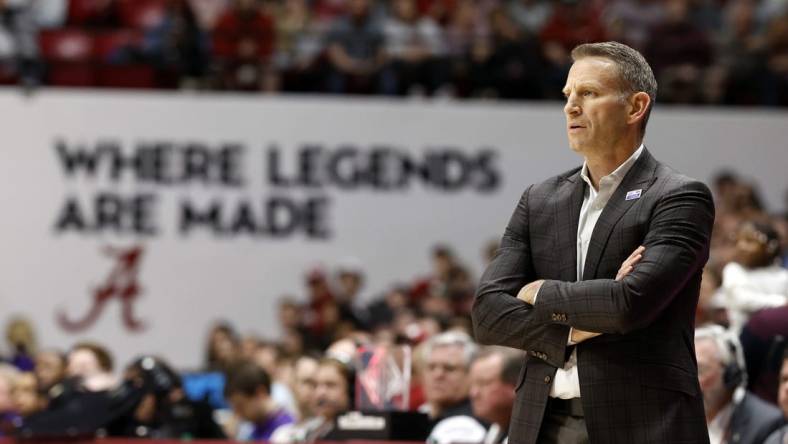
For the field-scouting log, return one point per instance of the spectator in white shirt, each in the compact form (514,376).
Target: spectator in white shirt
(754,281)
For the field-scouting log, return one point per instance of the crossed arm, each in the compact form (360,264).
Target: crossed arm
(529,292)
(676,247)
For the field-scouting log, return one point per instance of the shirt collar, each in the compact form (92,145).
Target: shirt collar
(718,426)
(618,174)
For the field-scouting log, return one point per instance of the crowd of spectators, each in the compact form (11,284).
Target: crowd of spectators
(731,52)
(292,388)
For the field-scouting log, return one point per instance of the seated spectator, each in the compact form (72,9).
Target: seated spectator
(467,43)
(738,69)
(178,47)
(321,314)
(299,47)
(678,51)
(494,376)
(514,68)
(762,339)
(711,305)
(349,282)
(754,280)
(92,364)
(355,51)
(383,310)
(332,395)
(530,15)
(416,48)
(443,261)
(269,357)
(243,43)
(335,382)
(50,368)
(22,340)
(304,385)
(781,436)
(248,391)
(26,396)
(222,348)
(9,417)
(629,22)
(18,44)
(447,358)
(776,91)
(162,409)
(732,413)
(571,23)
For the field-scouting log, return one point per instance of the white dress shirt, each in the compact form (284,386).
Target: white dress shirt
(747,291)
(719,427)
(566,383)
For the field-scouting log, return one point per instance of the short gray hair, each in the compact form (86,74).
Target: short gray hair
(729,347)
(456,339)
(511,361)
(633,69)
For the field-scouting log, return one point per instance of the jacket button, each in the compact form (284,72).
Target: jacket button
(547,379)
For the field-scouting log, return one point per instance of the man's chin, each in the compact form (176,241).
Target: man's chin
(576,147)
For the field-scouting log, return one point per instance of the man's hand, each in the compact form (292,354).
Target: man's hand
(630,262)
(528,292)
(626,267)
(579,336)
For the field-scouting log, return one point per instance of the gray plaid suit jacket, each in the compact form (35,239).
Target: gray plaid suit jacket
(639,379)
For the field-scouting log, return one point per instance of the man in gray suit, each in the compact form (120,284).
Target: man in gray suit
(598,274)
(733,414)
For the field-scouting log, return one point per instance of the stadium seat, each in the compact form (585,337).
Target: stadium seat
(71,45)
(68,54)
(126,76)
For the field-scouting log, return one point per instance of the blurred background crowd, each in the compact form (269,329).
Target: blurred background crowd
(291,388)
(732,52)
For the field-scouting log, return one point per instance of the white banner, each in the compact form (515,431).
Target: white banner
(139,219)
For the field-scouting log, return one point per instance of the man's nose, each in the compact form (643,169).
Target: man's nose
(571,108)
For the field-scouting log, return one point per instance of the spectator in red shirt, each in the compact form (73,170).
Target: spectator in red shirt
(679,50)
(243,42)
(573,22)
(355,51)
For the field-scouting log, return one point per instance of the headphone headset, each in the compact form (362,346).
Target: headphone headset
(733,375)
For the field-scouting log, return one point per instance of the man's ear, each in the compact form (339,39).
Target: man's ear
(638,106)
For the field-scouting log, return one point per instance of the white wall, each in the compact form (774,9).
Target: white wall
(188,281)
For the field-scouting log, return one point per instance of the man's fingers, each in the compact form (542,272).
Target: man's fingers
(581,335)
(623,272)
(630,262)
(636,254)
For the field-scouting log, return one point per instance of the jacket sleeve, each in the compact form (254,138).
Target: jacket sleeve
(499,318)
(677,247)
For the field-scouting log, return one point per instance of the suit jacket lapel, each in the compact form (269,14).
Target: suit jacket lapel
(567,210)
(640,176)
